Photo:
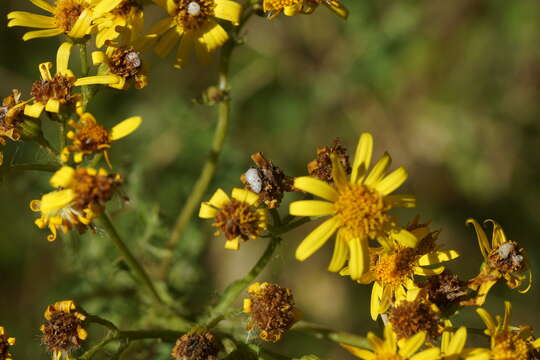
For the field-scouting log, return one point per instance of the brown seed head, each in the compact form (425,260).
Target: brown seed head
(196,347)
(239,219)
(60,333)
(507,258)
(192,14)
(411,317)
(67,13)
(59,88)
(321,167)
(125,62)
(445,290)
(89,137)
(93,190)
(11,118)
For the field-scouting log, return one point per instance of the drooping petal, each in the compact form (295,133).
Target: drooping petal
(400,200)
(41,33)
(311,208)
(125,127)
(233,244)
(429,354)
(53,106)
(338,8)
(228,10)
(405,238)
(485,248)
(498,236)
(166,43)
(392,181)
(316,187)
(316,238)
(376,294)
(82,26)
(99,57)
(34,110)
(105,6)
(213,36)
(23,18)
(62,58)
(187,42)
(487,319)
(437,257)
(362,156)
(428,272)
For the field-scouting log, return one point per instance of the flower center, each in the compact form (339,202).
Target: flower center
(411,317)
(238,218)
(362,211)
(90,138)
(392,269)
(60,332)
(59,88)
(192,14)
(93,190)
(509,346)
(508,257)
(67,13)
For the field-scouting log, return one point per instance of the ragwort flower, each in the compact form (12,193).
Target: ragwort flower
(70,17)
(64,329)
(80,197)
(390,349)
(123,61)
(90,137)
(237,217)
(52,92)
(502,259)
(5,343)
(191,23)
(113,17)
(358,207)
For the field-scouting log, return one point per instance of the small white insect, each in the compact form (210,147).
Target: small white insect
(505,250)
(194,8)
(133,59)
(254,180)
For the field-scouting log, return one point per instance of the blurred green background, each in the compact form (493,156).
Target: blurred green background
(450,88)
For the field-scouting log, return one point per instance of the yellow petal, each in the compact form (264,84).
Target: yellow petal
(99,57)
(45,70)
(429,354)
(53,106)
(34,110)
(184,50)
(359,257)
(362,156)
(105,6)
(125,127)
(41,34)
(316,238)
(400,200)
(233,244)
(81,333)
(214,36)
(338,173)
(376,294)
(412,344)
(228,10)
(56,200)
(390,340)
(487,319)
(82,26)
(485,248)
(405,238)
(245,196)
(291,10)
(167,42)
(219,199)
(161,26)
(206,211)
(483,291)
(378,170)
(23,18)
(63,177)
(358,352)
(392,181)
(62,57)
(376,343)
(498,236)
(507,315)
(438,257)
(338,8)
(100,79)
(428,272)
(246,306)
(458,341)
(316,187)
(311,208)
(43,5)
(340,255)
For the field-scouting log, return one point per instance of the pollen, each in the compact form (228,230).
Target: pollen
(192,14)
(239,219)
(125,62)
(392,269)
(59,88)
(67,13)
(507,258)
(362,211)
(196,347)
(509,346)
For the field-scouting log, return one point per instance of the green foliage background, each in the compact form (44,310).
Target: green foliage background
(450,88)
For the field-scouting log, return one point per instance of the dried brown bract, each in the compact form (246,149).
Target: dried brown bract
(321,167)
(445,290)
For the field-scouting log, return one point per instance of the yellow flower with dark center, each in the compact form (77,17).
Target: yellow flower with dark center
(358,207)
(125,62)
(81,196)
(90,137)
(272,310)
(238,217)
(5,343)
(390,349)
(502,259)
(70,17)
(192,24)
(52,92)
(63,331)
(507,342)
(116,16)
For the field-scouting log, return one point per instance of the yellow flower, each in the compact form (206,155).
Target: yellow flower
(192,23)
(453,343)
(287,7)
(237,218)
(5,343)
(63,331)
(507,342)
(390,349)
(70,17)
(502,258)
(124,62)
(115,16)
(334,5)
(90,137)
(81,196)
(358,208)
(53,91)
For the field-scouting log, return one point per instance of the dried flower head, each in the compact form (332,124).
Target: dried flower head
(90,137)
(445,290)
(272,310)
(267,180)
(411,317)
(125,62)
(238,217)
(80,196)
(11,117)
(63,331)
(321,167)
(196,346)
(5,343)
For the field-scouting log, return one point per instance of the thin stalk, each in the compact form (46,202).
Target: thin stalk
(99,320)
(130,260)
(321,332)
(85,69)
(30,167)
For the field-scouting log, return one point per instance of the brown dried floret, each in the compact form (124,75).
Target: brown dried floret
(238,219)
(445,290)
(196,347)
(11,117)
(58,88)
(321,167)
(267,180)
(507,258)
(272,310)
(410,317)
(93,189)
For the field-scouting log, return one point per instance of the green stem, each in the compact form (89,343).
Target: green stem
(130,260)
(30,167)
(286,227)
(321,332)
(233,290)
(99,320)
(86,89)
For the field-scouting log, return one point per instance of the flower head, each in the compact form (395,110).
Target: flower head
(5,343)
(63,331)
(70,17)
(195,346)
(112,17)
(272,310)
(293,7)
(123,61)
(90,137)
(413,315)
(80,196)
(51,92)
(445,290)
(502,259)
(237,217)
(390,349)
(358,207)
(192,24)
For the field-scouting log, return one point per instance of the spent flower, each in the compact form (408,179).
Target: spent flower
(195,346)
